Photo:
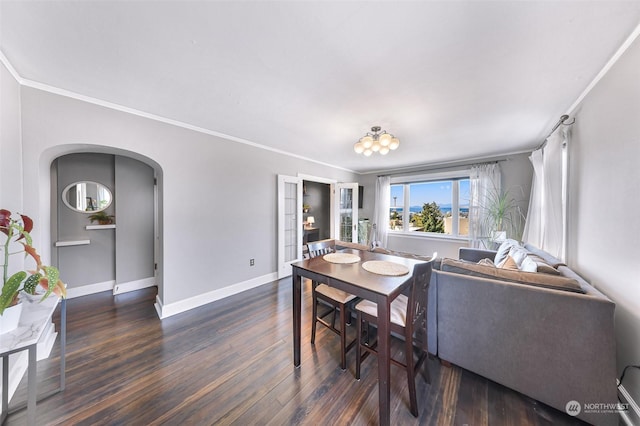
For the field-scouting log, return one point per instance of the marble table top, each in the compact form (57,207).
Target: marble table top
(33,321)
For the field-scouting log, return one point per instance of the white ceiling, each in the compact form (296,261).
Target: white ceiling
(452,80)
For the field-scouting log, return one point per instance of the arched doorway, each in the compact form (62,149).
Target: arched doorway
(121,257)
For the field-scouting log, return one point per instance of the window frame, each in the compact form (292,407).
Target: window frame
(407,180)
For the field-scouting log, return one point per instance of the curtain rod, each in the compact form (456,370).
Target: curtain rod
(560,122)
(443,166)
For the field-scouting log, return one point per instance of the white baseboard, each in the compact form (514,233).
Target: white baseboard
(85,290)
(168,310)
(631,417)
(118,288)
(134,285)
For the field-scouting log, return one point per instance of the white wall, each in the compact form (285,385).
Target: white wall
(604,203)
(10,149)
(213,189)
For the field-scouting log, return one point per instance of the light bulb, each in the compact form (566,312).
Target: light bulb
(366,141)
(376,146)
(358,147)
(367,152)
(385,139)
(384,150)
(394,144)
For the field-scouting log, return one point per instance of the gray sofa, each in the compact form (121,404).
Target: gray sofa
(551,343)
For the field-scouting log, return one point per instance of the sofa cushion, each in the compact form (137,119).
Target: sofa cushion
(518,277)
(553,261)
(543,266)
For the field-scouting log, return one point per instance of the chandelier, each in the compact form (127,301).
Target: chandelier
(380,142)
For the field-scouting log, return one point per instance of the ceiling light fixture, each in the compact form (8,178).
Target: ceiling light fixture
(380,142)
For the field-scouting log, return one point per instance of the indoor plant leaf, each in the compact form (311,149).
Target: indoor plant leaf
(10,288)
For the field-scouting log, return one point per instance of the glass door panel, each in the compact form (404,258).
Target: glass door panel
(289,223)
(347,212)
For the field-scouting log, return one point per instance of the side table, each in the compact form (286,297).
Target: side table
(34,320)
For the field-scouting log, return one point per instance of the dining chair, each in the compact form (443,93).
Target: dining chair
(336,300)
(408,319)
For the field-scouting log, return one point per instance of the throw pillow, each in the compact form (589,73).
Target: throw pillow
(519,254)
(529,265)
(486,262)
(508,263)
(503,250)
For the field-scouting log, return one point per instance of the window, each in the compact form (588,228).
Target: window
(438,206)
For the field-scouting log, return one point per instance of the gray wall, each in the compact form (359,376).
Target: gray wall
(212,189)
(121,255)
(93,263)
(604,201)
(135,220)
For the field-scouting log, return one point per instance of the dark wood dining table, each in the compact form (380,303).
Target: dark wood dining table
(353,278)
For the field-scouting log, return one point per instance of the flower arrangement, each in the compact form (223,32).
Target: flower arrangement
(17,231)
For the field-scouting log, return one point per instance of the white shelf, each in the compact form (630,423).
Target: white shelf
(93,227)
(72,243)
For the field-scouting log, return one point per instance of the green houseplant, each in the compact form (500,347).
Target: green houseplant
(16,233)
(102,218)
(503,216)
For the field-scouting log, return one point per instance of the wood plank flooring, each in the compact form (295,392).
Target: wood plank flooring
(231,362)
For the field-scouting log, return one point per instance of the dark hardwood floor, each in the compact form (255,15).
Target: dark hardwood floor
(230,362)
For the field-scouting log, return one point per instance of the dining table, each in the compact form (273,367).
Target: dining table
(355,279)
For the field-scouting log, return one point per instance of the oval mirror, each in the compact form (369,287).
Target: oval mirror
(87,197)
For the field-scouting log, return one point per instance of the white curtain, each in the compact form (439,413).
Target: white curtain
(545,226)
(381,210)
(484,182)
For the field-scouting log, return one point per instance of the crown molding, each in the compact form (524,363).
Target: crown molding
(106,104)
(10,68)
(621,50)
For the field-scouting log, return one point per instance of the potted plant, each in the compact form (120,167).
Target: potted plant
(16,233)
(503,217)
(102,218)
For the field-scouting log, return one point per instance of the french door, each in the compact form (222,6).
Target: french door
(346,212)
(289,223)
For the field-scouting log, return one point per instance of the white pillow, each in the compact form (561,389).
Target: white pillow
(529,265)
(503,250)
(519,254)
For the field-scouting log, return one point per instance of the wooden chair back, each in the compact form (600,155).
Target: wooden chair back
(418,300)
(320,248)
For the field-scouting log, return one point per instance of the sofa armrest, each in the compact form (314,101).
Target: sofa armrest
(552,345)
(474,254)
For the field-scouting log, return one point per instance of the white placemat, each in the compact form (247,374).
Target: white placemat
(384,267)
(341,258)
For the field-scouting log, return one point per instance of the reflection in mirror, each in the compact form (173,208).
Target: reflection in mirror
(87,197)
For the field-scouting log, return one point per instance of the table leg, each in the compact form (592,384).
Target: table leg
(63,343)
(297,316)
(384,360)
(5,387)
(31,385)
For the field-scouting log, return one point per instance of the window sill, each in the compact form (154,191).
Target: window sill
(428,236)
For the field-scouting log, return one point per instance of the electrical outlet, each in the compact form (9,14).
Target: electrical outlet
(252,262)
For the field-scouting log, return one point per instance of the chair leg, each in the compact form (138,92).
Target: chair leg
(315,315)
(343,338)
(358,343)
(411,378)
